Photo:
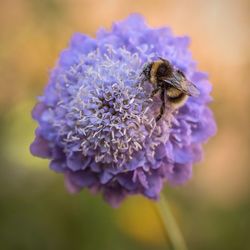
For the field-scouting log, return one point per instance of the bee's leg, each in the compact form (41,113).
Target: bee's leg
(162,105)
(155,91)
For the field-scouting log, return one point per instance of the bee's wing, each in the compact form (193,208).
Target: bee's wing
(179,82)
(192,89)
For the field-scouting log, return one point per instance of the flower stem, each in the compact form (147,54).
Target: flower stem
(171,228)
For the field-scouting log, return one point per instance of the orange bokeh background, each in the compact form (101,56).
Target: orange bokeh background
(32,34)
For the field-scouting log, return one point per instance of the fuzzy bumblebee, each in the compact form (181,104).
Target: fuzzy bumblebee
(171,83)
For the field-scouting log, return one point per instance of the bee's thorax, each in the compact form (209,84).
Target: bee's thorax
(153,72)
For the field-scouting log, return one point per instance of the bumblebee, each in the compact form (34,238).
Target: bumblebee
(170,82)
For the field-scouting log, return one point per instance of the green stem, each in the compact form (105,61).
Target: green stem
(171,228)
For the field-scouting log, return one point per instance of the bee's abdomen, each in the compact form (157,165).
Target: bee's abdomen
(176,97)
(173,93)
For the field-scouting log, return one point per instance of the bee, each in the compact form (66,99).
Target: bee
(170,82)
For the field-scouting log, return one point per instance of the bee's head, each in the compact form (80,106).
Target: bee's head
(146,70)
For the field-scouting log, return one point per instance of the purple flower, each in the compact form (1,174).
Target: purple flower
(97,122)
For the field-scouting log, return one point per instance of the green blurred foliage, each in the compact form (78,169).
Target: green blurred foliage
(36,212)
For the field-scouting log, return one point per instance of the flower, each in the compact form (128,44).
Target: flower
(97,120)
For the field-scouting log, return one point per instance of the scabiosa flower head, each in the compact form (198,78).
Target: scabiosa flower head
(97,120)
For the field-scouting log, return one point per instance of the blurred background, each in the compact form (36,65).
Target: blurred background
(36,212)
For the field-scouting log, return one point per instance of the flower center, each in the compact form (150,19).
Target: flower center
(110,115)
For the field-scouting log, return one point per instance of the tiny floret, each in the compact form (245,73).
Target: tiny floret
(97,117)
